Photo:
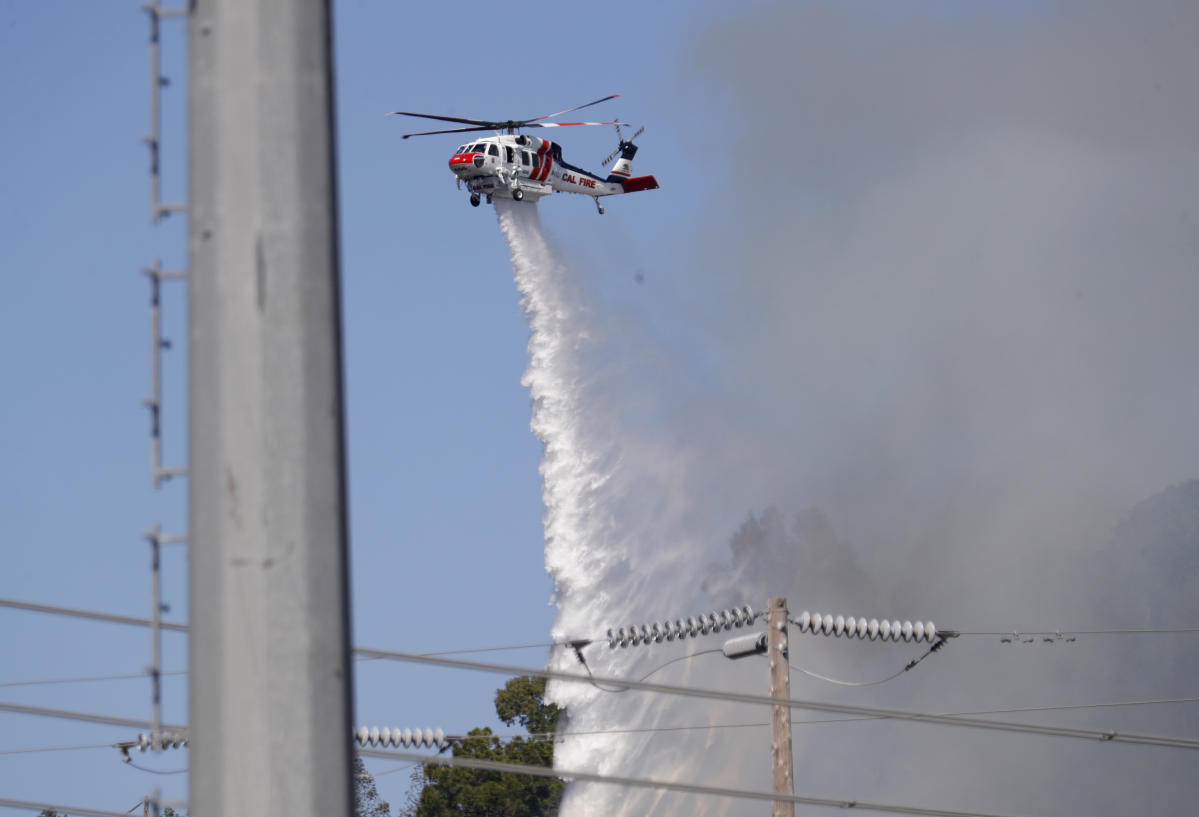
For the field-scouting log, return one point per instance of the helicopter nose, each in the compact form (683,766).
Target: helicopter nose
(466,164)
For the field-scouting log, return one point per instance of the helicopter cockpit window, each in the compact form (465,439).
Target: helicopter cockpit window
(493,149)
(461,149)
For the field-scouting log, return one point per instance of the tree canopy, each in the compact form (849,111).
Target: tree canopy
(457,792)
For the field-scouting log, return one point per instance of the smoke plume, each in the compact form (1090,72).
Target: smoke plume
(950,333)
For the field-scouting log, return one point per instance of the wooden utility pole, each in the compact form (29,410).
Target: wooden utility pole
(780,716)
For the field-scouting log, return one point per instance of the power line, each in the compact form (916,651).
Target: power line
(183,628)
(92,614)
(689,788)
(137,621)
(37,749)
(29,805)
(66,714)
(86,679)
(817,706)
(910,665)
(747,725)
(1064,633)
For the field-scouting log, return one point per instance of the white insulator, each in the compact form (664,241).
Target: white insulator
(896,630)
(747,613)
(706,623)
(143,741)
(805,618)
(680,629)
(737,617)
(611,638)
(930,631)
(406,736)
(862,627)
(828,624)
(817,623)
(384,736)
(851,626)
(884,630)
(872,629)
(428,738)
(723,622)
(439,737)
(907,631)
(838,625)
(692,626)
(634,637)
(668,631)
(918,631)
(643,631)
(655,632)
(361,735)
(373,737)
(621,638)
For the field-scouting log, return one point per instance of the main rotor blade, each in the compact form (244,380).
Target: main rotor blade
(484,122)
(451,130)
(576,108)
(563,124)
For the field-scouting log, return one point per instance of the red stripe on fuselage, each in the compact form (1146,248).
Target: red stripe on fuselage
(546,159)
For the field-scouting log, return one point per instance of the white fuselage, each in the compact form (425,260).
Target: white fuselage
(503,164)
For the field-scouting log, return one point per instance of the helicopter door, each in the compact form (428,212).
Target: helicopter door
(526,164)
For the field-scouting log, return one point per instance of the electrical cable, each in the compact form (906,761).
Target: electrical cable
(544,736)
(78,811)
(112,618)
(934,648)
(55,749)
(183,628)
(405,767)
(690,788)
(86,679)
(1064,633)
(154,771)
(591,677)
(109,720)
(816,706)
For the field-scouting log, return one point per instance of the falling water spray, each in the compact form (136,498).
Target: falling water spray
(620,541)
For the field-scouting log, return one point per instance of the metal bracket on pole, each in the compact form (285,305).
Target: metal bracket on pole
(157,81)
(157,539)
(155,273)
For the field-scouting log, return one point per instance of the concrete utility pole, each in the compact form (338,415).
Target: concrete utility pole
(780,716)
(270,684)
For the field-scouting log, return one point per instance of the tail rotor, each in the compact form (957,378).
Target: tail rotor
(625,144)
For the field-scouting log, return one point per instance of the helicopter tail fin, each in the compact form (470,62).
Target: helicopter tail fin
(623,169)
(639,183)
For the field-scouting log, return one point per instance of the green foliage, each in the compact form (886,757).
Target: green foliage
(455,792)
(367,802)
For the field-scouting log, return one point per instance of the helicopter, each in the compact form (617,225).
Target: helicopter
(520,167)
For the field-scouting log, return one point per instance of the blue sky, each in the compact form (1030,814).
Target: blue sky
(909,268)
